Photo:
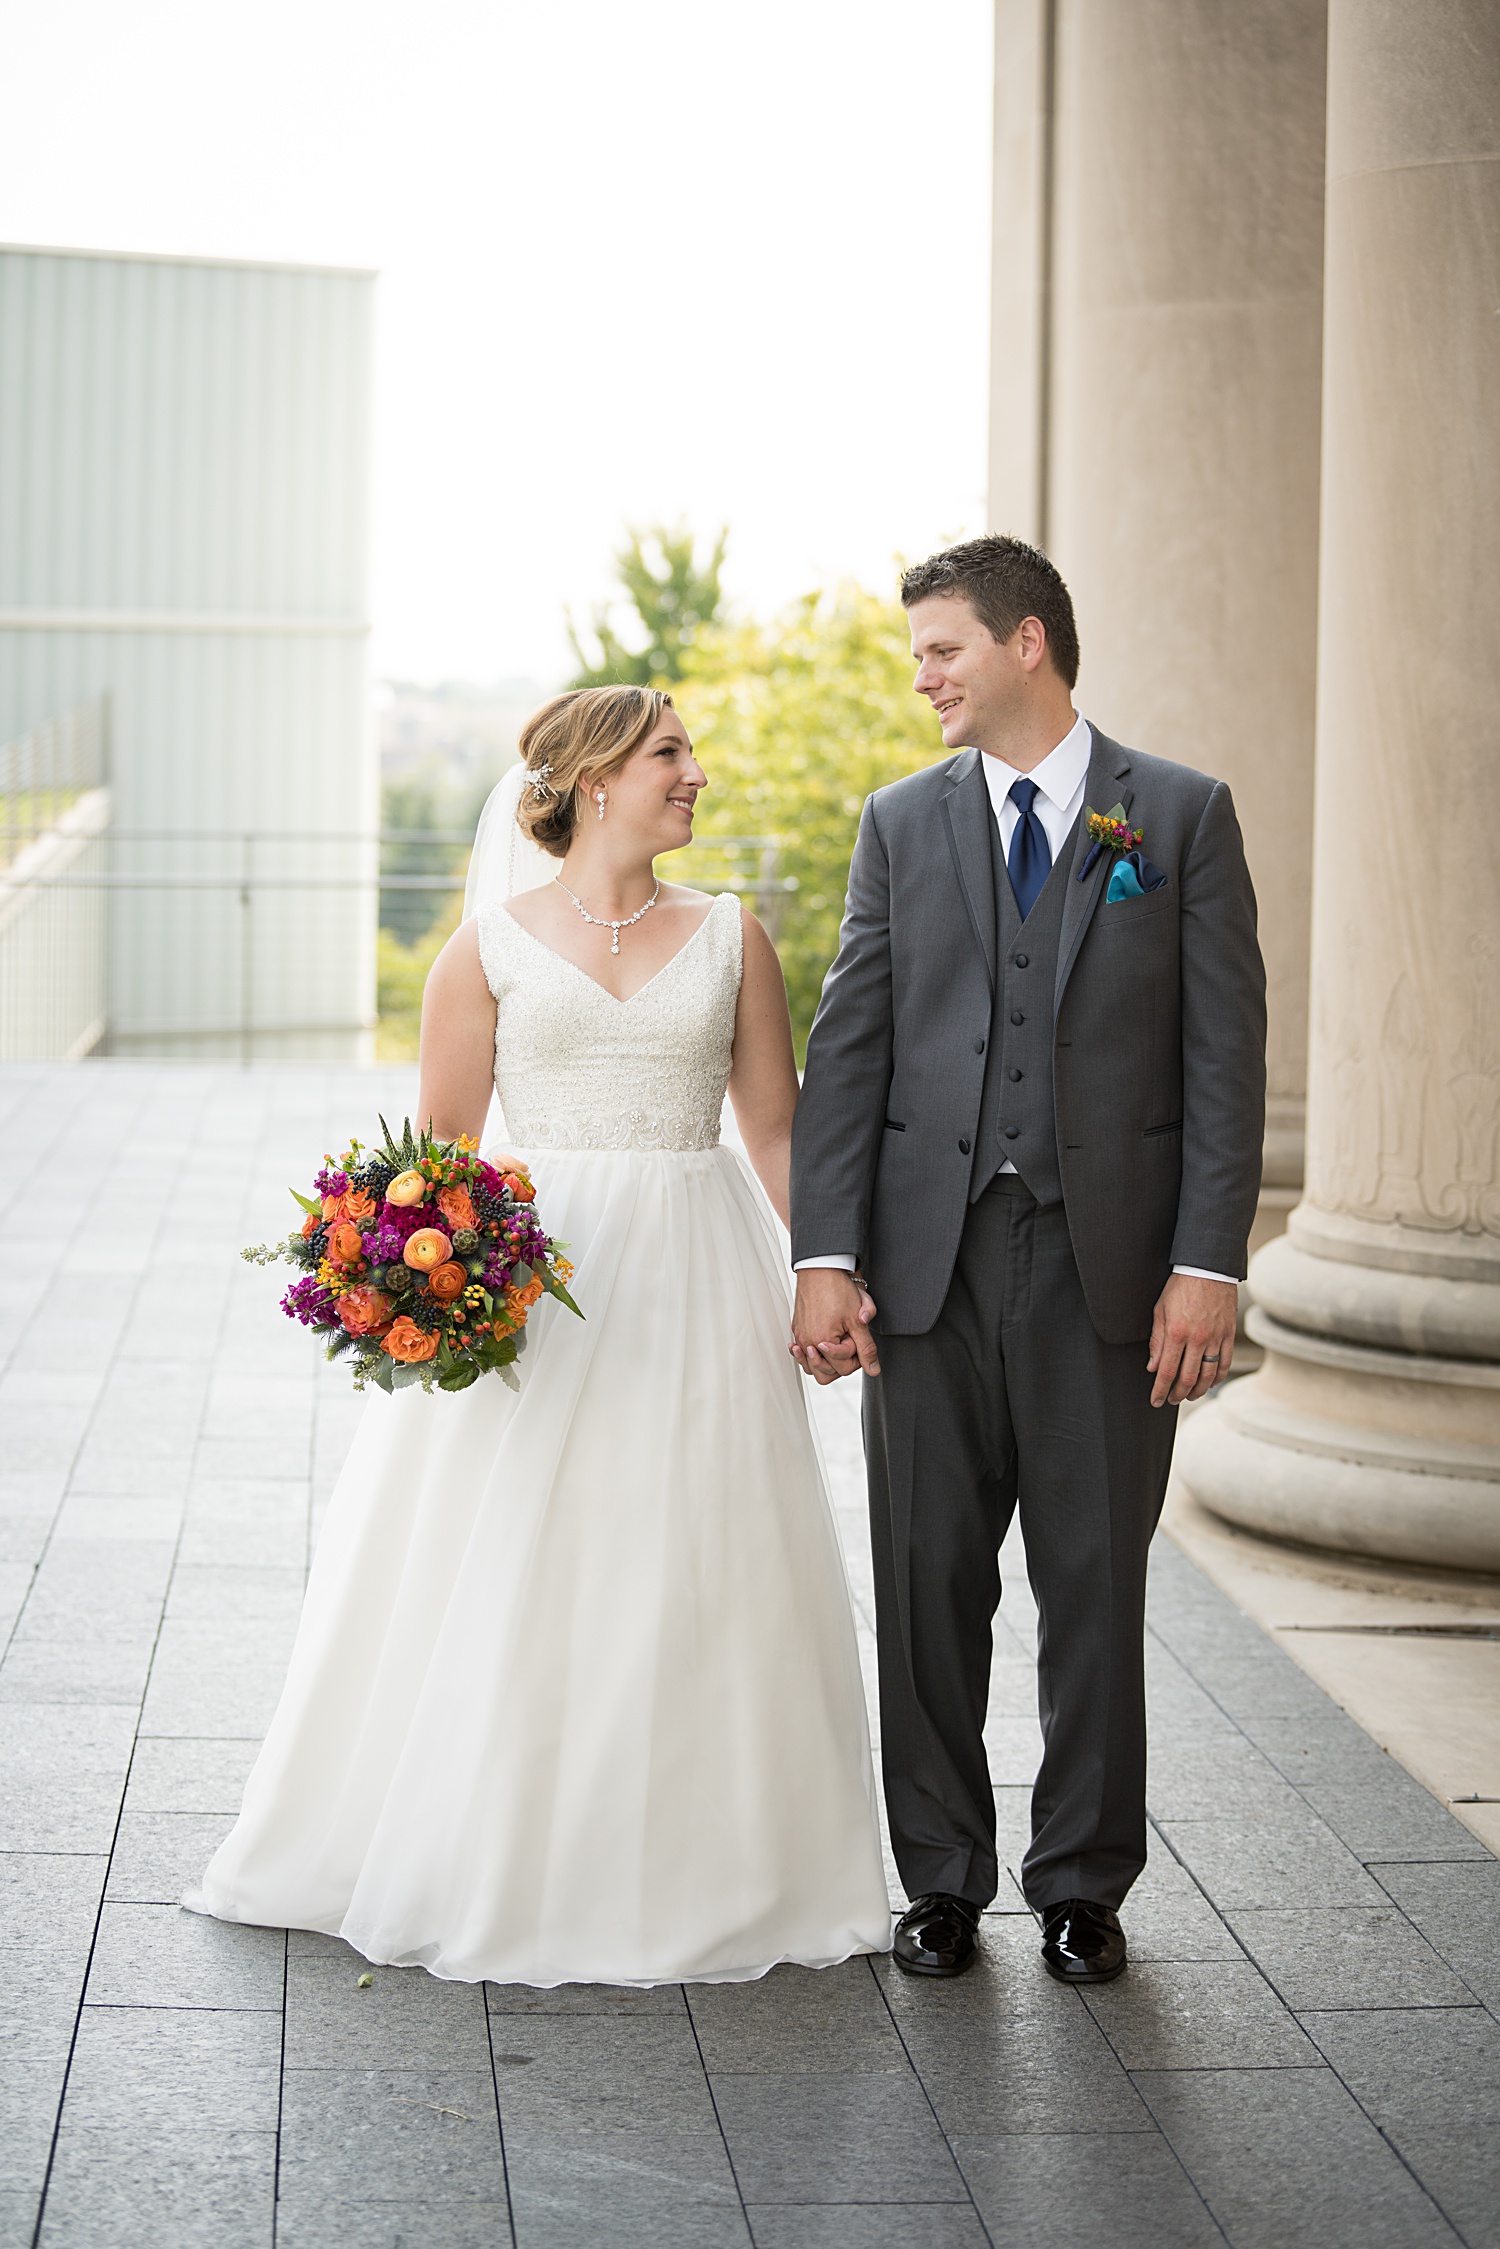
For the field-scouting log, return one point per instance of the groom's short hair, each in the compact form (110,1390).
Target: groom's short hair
(1003,580)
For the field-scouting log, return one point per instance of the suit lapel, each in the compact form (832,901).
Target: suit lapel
(966,814)
(1107,785)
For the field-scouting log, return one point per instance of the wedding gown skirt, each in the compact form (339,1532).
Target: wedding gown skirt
(575,1695)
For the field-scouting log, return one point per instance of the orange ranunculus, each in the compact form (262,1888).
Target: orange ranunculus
(344,1244)
(360,1206)
(519,1185)
(500,1329)
(335,1209)
(365,1311)
(428,1248)
(406,1190)
(448,1282)
(518,1301)
(407,1343)
(310,1224)
(456,1206)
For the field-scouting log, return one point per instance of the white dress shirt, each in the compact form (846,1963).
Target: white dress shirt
(1060,779)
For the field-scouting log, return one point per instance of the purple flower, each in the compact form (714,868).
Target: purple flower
(308,1301)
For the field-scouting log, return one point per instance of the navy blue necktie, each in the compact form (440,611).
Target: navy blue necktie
(1030,860)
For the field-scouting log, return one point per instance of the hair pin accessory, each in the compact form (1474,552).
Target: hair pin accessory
(541,781)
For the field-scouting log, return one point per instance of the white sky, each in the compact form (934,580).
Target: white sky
(644,261)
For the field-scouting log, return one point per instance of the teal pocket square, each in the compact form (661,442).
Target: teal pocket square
(1133,876)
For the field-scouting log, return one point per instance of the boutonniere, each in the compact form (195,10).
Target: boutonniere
(1110,833)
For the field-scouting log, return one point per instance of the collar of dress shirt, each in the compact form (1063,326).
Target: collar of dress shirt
(1059,777)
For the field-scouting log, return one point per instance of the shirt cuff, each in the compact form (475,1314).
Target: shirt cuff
(1200,1273)
(843,1263)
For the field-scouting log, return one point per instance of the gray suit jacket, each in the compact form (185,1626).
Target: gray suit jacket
(1158,1045)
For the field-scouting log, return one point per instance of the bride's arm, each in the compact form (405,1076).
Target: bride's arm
(458,1040)
(763,1073)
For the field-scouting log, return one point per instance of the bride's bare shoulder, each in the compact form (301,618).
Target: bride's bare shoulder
(458,972)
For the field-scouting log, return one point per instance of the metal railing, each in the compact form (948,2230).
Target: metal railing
(248,962)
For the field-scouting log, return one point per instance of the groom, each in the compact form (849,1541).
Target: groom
(1032,1123)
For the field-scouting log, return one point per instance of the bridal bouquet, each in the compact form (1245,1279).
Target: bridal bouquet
(420,1263)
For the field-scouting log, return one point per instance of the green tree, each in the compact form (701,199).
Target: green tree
(796,724)
(674,597)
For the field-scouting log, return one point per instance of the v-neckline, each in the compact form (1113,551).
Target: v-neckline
(604,989)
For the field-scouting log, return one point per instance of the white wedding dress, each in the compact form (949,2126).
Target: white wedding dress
(575,1696)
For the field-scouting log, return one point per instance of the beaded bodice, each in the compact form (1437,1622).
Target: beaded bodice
(577,1068)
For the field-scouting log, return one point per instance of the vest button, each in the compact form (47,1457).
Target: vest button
(979,1046)
(1017,1016)
(963,1147)
(1015,1077)
(1023,960)
(1012,1132)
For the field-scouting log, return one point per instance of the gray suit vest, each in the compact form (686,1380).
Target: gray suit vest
(1016,1117)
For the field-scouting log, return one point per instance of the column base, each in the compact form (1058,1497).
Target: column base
(1337,1445)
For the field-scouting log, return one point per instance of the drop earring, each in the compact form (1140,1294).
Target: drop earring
(599,800)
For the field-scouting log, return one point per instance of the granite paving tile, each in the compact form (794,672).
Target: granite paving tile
(260,1522)
(1278,1856)
(162,1956)
(1005,2049)
(424,2137)
(1080,2190)
(207,1593)
(825,2137)
(1457,1909)
(62,1774)
(82,1668)
(586,1999)
(151,1517)
(1209,1777)
(623,2198)
(220,1677)
(1167,1917)
(866,2225)
(158,1855)
(176,1773)
(797,2019)
(1346,1956)
(154,2069)
(179,2187)
(406,2019)
(1283,2156)
(1430,2079)
(48,1909)
(1371,1803)
(1217,2014)
(315,2222)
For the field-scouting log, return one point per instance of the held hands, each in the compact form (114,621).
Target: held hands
(831,1325)
(1192,1338)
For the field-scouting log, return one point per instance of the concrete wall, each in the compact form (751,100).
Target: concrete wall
(184,452)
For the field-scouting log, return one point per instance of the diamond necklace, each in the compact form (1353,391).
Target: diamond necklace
(598,922)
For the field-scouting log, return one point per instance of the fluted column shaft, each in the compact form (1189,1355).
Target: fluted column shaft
(1375,1424)
(1158,311)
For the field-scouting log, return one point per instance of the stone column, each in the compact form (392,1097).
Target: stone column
(1157,328)
(1374,1425)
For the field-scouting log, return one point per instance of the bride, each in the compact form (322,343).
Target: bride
(575,1696)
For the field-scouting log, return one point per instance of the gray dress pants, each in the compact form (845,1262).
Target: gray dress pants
(1012,1396)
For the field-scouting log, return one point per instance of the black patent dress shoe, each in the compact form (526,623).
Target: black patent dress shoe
(1082,1942)
(935,1935)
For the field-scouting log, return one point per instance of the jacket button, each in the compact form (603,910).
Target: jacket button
(1015,1077)
(1023,960)
(963,1147)
(979,1046)
(1012,1132)
(1018,1017)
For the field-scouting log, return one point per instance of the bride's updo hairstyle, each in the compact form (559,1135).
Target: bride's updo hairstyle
(587,734)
